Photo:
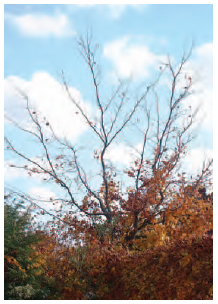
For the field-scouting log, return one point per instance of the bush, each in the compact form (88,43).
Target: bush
(181,270)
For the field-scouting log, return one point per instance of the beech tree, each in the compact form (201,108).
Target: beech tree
(107,212)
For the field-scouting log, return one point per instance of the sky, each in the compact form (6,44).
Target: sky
(40,44)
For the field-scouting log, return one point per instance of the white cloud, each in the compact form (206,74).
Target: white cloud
(12,170)
(193,161)
(130,59)
(200,67)
(48,97)
(41,25)
(115,10)
(12,103)
(11,173)
(42,193)
(121,154)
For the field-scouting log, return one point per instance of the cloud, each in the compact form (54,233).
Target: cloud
(200,67)
(11,173)
(41,25)
(49,98)
(131,59)
(122,154)
(42,193)
(115,10)
(12,103)
(192,162)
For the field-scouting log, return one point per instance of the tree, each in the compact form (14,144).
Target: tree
(23,269)
(17,252)
(106,212)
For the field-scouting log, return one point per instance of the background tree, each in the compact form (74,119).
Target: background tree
(106,212)
(24,275)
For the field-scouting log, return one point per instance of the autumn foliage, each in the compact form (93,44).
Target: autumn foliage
(171,260)
(182,270)
(146,252)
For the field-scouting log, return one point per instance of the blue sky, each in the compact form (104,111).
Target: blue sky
(41,40)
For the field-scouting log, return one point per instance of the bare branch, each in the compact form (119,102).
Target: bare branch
(27,198)
(21,128)
(116,115)
(129,116)
(204,172)
(84,180)
(113,96)
(57,179)
(173,107)
(90,59)
(142,153)
(82,112)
